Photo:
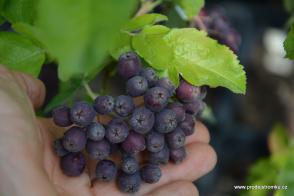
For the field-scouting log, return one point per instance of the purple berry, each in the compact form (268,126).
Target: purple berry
(137,86)
(116,131)
(104,104)
(151,173)
(154,141)
(73,164)
(187,92)
(195,107)
(156,98)
(142,120)
(178,155)
(188,125)
(74,139)
(98,150)
(176,138)
(178,109)
(82,113)
(106,170)
(129,165)
(129,65)
(167,84)
(61,116)
(150,76)
(165,121)
(160,157)
(95,131)
(129,183)
(124,105)
(58,148)
(134,143)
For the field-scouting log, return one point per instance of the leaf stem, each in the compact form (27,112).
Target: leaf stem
(89,91)
(147,6)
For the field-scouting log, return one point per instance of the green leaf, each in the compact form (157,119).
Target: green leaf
(278,139)
(190,7)
(141,21)
(79,33)
(286,175)
(122,44)
(289,5)
(65,95)
(289,43)
(20,10)
(199,59)
(2,20)
(20,54)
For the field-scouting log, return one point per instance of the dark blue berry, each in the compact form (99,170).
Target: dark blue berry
(129,65)
(188,125)
(61,116)
(98,150)
(151,173)
(156,98)
(137,86)
(129,164)
(58,148)
(106,170)
(160,157)
(187,92)
(74,139)
(176,138)
(150,76)
(154,141)
(129,183)
(82,113)
(95,131)
(116,131)
(124,105)
(134,143)
(73,164)
(178,109)
(167,84)
(177,155)
(104,104)
(142,120)
(165,121)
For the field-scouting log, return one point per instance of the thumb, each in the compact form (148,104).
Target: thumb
(33,87)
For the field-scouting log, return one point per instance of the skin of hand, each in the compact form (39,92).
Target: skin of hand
(28,165)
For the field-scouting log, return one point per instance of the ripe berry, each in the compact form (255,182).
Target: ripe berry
(178,109)
(124,105)
(73,164)
(156,98)
(82,113)
(129,183)
(106,170)
(167,84)
(154,141)
(188,125)
(116,131)
(150,76)
(137,86)
(129,165)
(195,107)
(187,92)
(142,120)
(98,150)
(165,121)
(134,143)
(177,155)
(58,148)
(95,131)
(160,157)
(74,139)
(129,65)
(104,104)
(151,173)
(61,116)
(176,138)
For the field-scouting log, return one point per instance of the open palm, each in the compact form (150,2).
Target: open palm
(28,165)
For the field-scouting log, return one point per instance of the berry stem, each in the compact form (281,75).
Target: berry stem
(147,6)
(89,91)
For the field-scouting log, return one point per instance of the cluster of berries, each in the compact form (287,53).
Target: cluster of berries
(158,125)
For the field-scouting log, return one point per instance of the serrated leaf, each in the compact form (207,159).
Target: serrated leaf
(289,43)
(141,21)
(199,59)
(79,33)
(19,53)
(20,10)
(190,7)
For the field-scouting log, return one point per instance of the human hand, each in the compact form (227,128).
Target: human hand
(28,165)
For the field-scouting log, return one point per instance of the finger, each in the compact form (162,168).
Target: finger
(33,87)
(201,134)
(176,188)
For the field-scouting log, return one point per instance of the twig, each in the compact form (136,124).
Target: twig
(89,91)
(147,6)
